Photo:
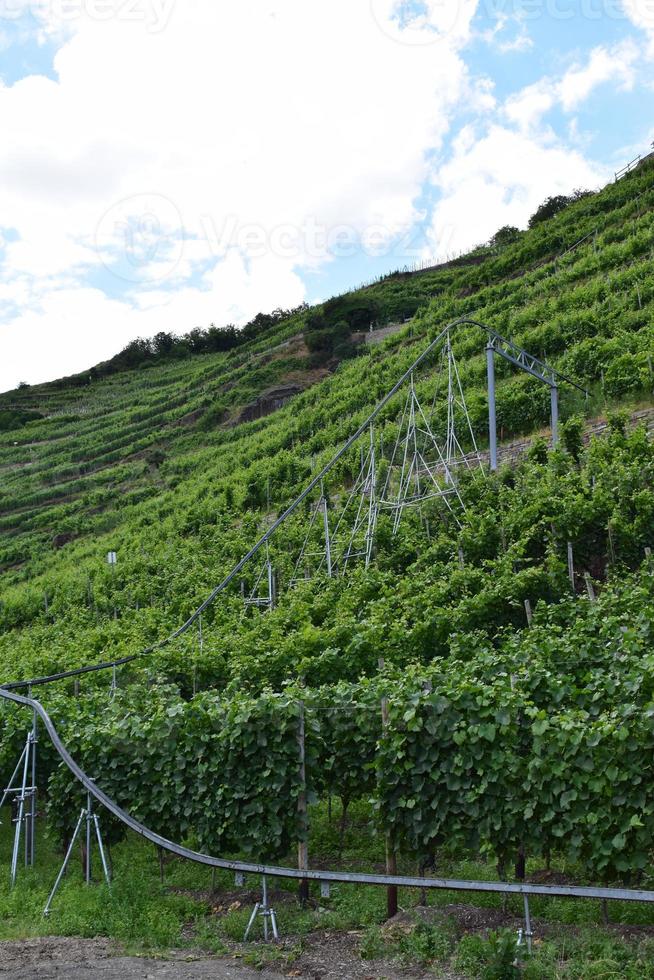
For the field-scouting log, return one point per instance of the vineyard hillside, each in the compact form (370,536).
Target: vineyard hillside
(509,641)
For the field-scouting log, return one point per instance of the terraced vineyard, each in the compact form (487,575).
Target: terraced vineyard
(539,728)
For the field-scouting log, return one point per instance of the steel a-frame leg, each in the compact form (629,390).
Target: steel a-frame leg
(267,913)
(90,819)
(25,800)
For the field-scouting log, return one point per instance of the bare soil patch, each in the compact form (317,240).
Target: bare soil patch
(326,956)
(87,959)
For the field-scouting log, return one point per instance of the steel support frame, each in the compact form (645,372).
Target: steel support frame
(454,451)
(25,800)
(88,821)
(492,409)
(365,520)
(269,600)
(325,554)
(414,465)
(267,913)
(530,365)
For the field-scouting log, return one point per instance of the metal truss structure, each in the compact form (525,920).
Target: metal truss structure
(424,473)
(457,409)
(311,557)
(264,592)
(359,537)
(531,365)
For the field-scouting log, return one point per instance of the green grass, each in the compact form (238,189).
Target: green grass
(146,917)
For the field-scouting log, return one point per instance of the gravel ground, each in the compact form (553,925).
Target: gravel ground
(86,959)
(328,956)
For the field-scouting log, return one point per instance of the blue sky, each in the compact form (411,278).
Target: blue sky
(170,163)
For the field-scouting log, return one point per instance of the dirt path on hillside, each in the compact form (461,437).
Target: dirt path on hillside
(327,956)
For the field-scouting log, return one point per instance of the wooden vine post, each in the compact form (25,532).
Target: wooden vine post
(391,856)
(529,612)
(302,809)
(571,565)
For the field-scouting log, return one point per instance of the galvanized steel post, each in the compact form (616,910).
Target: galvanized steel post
(492,410)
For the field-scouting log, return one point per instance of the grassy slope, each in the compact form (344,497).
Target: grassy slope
(144,461)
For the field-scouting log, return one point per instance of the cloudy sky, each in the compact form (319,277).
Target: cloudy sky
(165,164)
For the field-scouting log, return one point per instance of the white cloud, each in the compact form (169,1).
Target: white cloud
(499,179)
(496,35)
(499,174)
(208,152)
(59,335)
(423,22)
(615,64)
(527,107)
(280,113)
(641,14)
(521,42)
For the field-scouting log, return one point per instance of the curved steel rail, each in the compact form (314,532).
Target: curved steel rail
(272,871)
(315,482)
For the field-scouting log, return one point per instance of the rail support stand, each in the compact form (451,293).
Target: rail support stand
(526,933)
(266,912)
(23,796)
(492,409)
(554,396)
(88,820)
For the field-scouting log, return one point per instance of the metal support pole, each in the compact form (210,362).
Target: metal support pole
(92,825)
(255,912)
(528,932)
(267,913)
(10,787)
(328,542)
(32,824)
(571,565)
(64,866)
(89,823)
(265,907)
(372,504)
(21,812)
(555,415)
(271,585)
(492,408)
(103,857)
